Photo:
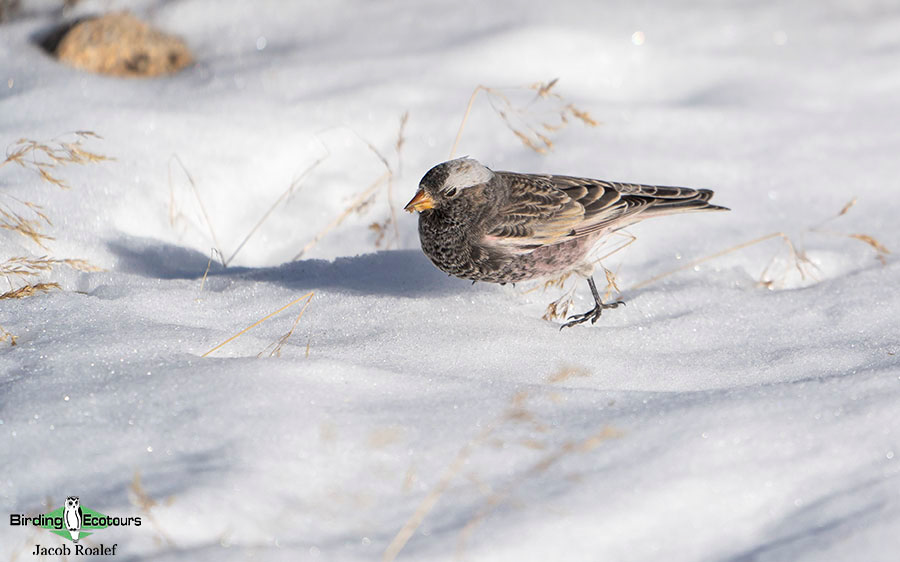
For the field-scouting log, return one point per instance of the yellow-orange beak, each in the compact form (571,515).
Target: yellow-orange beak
(421,202)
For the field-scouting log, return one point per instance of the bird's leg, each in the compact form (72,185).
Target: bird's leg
(594,313)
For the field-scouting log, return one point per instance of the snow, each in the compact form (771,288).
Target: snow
(709,419)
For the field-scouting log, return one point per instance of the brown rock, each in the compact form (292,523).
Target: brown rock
(122,45)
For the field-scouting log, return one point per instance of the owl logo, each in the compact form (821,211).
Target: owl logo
(73,516)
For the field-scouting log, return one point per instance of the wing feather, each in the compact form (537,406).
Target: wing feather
(536,214)
(543,209)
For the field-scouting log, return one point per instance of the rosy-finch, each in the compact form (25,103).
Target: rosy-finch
(505,227)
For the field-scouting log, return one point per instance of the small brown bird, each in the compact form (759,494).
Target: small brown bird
(505,227)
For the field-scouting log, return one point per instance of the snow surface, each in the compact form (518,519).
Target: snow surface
(710,419)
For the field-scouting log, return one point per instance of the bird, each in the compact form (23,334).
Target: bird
(73,516)
(505,227)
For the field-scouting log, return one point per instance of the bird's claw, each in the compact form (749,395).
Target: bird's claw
(591,315)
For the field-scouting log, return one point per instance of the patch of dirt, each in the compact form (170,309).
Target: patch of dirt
(119,44)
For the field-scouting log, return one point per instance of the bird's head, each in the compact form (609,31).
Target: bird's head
(72,501)
(446,181)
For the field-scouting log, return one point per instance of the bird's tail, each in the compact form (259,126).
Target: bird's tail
(690,200)
(74,535)
(665,200)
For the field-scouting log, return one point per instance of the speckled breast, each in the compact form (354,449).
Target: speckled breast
(456,255)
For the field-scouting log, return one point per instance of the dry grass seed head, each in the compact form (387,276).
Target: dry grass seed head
(30,290)
(21,266)
(380,230)
(543,89)
(558,308)
(880,249)
(80,265)
(584,116)
(849,205)
(526,121)
(566,373)
(611,285)
(30,228)
(6,336)
(41,157)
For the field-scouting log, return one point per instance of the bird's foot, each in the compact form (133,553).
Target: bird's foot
(591,315)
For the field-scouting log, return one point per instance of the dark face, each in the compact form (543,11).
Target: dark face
(444,183)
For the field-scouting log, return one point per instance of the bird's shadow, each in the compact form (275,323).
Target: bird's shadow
(387,272)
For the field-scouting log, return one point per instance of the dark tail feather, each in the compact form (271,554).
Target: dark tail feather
(695,200)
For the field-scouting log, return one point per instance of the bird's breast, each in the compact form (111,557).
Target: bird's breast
(448,244)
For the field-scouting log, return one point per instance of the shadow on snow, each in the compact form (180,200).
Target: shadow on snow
(390,272)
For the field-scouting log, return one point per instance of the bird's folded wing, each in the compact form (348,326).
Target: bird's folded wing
(607,205)
(535,214)
(546,210)
(622,204)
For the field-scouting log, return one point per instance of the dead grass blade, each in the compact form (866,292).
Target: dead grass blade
(705,259)
(381,229)
(359,202)
(260,321)
(43,158)
(871,241)
(584,116)
(515,413)
(566,373)
(6,336)
(202,207)
(292,188)
(800,262)
(560,307)
(427,504)
(543,90)
(30,228)
(398,148)
(844,210)
(611,286)
(142,500)
(30,290)
(21,266)
(881,251)
(212,252)
(401,140)
(276,351)
(847,207)
(80,265)
(465,118)
(524,121)
(542,465)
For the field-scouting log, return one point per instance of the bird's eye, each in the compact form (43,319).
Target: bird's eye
(450,192)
